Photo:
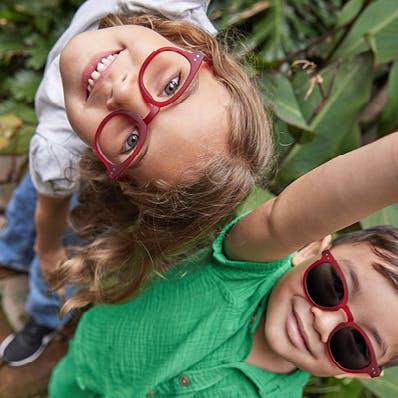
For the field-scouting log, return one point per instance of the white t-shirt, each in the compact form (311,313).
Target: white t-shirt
(55,149)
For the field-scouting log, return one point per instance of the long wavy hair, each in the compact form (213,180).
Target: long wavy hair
(132,231)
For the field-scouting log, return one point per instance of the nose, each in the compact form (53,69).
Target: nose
(126,94)
(326,321)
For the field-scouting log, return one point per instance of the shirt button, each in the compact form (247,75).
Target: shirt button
(185,381)
(152,393)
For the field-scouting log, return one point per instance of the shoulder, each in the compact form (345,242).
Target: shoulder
(262,269)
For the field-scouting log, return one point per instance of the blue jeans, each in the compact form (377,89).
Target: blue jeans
(16,252)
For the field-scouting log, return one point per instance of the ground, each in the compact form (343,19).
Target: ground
(28,381)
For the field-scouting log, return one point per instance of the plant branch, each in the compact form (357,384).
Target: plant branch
(348,28)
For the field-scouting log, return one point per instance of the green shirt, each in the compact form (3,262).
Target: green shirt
(188,334)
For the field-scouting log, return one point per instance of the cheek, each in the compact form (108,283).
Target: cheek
(84,127)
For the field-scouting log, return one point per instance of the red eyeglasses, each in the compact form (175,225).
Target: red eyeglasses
(349,346)
(164,77)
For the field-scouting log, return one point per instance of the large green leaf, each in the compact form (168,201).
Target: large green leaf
(278,93)
(388,215)
(336,118)
(377,29)
(385,386)
(349,11)
(308,96)
(389,116)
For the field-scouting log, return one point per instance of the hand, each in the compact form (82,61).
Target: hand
(49,260)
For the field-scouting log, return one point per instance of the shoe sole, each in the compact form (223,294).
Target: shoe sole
(46,340)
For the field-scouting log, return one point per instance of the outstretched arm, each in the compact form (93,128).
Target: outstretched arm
(330,197)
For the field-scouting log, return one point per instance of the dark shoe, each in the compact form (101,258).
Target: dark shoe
(26,345)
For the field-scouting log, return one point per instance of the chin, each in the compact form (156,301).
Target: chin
(275,339)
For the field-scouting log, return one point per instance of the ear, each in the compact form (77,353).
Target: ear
(313,251)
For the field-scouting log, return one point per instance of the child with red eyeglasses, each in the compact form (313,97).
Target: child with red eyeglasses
(161,107)
(247,318)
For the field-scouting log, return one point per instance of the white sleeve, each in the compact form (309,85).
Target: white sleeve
(55,149)
(53,168)
(190,10)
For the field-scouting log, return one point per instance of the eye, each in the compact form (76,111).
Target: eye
(131,142)
(172,86)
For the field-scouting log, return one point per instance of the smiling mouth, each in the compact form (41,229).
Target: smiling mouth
(96,69)
(296,333)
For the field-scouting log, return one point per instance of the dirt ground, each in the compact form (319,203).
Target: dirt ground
(28,381)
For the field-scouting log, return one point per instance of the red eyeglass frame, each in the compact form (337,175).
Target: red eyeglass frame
(114,170)
(373,369)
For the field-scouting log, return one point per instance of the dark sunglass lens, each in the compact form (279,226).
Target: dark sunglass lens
(324,285)
(349,349)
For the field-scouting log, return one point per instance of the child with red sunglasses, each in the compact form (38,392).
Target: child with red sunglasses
(237,320)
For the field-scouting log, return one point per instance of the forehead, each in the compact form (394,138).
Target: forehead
(372,298)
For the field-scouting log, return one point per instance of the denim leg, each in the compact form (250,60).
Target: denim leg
(42,304)
(18,235)
(16,251)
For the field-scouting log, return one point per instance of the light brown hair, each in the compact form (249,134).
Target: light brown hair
(132,231)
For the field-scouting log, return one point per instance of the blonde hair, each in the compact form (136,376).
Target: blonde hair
(131,231)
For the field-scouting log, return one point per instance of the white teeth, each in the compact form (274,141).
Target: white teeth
(101,67)
(95,75)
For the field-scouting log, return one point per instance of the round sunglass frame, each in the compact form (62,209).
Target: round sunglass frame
(115,170)
(373,370)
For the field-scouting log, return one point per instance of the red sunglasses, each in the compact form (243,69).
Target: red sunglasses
(349,347)
(126,129)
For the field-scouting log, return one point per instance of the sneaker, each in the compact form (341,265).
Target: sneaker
(26,345)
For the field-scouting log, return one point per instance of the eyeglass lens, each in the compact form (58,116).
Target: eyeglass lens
(326,289)
(163,78)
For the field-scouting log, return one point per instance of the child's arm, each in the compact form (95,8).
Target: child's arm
(51,221)
(330,197)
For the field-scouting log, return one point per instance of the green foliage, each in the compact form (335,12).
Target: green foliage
(328,71)
(28,31)
(386,386)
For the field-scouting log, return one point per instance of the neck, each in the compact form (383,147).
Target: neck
(263,357)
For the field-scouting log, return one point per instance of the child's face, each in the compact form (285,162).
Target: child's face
(297,330)
(181,134)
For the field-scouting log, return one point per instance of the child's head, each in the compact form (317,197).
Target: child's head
(205,153)
(298,330)
(219,108)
